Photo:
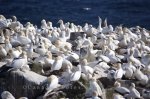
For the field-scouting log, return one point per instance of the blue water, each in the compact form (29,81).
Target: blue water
(127,12)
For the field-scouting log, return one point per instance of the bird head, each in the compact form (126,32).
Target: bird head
(14,18)
(93,79)
(95,94)
(58,58)
(43,21)
(2,17)
(132,85)
(49,23)
(50,78)
(84,62)
(60,21)
(49,55)
(117,84)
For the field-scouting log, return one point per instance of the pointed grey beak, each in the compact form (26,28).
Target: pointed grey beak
(58,21)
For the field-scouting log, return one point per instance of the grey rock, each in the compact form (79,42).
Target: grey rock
(23,83)
(74,90)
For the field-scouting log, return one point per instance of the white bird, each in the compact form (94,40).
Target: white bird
(119,72)
(19,62)
(91,54)
(63,36)
(85,28)
(94,87)
(145,58)
(112,56)
(65,77)
(75,76)
(121,90)
(91,31)
(99,25)
(112,44)
(52,84)
(3,23)
(43,24)
(133,59)
(117,96)
(105,28)
(57,63)
(41,50)
(50,25)
(110,74)
(3,52)
(23,98)
(93,39)
(129,70)
(73,57)
(15,53)
(86,69)
(8,45)
(48,60)
(138,74)
(14,41)
(62,26)
(95,95)
(2,38)
(7,95)
(86,42)
(123,43)
(104,58)
(133,92)
(23,39)
(30,51)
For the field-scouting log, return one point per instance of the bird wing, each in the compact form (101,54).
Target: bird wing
(75,76)
(3,24)
(17,63)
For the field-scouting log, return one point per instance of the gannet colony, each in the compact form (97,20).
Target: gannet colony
(73,61)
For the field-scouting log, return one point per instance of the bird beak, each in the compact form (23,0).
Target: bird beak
(99,19)
(58,22)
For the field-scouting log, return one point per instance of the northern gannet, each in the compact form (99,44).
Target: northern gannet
(119,72)
(93,87)
(62,26)
(57,63)
(133,92)
(75,76)
(18,63)
(52,84)
(121,90)
(7,95)
(3,52)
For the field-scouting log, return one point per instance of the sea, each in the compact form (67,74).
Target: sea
(127,12)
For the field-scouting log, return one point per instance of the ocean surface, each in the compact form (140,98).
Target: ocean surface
(127,12)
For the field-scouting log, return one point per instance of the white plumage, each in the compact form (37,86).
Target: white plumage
(57,63)
(75,76)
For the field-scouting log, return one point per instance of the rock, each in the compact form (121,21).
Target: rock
(23,83)
(74,35)
(106,82)
(74,90)
(36,68)
(55,95)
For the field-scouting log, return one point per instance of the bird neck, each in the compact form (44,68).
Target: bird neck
(79,67)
